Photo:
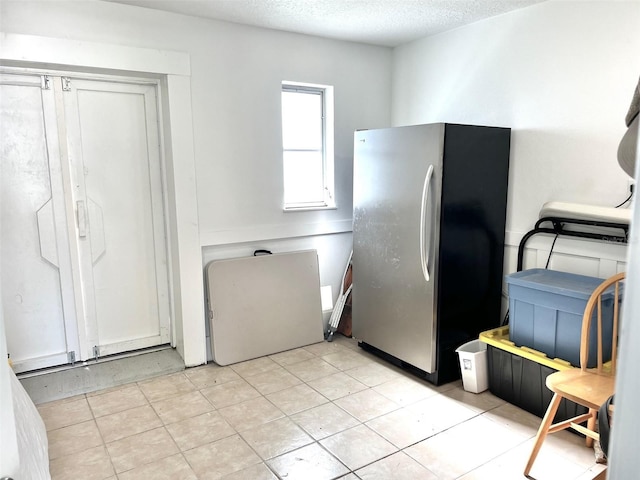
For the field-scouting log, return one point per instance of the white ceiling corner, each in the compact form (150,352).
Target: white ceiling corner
(378,22)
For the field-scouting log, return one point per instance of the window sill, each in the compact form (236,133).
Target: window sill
(306,209)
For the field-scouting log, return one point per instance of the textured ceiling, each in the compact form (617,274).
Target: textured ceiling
(379,22)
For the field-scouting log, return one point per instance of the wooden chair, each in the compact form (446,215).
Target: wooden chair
(587,387)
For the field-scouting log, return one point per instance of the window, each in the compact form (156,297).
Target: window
(307,145)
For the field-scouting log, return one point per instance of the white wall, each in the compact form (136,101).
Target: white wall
(559,73)
(236,79)
(236,73)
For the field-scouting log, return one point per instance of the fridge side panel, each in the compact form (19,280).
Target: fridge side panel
(474,199)
(393,305)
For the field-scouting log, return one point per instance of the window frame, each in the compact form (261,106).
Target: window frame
(327,126)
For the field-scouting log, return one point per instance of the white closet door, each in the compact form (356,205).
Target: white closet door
(113,141)
(37,293)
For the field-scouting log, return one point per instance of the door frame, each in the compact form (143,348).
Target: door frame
(77,291)
(172,70)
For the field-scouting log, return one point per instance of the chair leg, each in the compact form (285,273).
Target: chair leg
(543,430)
(591,425)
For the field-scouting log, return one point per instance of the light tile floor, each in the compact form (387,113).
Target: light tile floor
(325,411)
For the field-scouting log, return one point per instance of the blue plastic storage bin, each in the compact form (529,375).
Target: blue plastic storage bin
(546,309)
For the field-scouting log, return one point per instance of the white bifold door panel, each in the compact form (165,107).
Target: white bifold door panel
(115,170)
(37,301)
(263,305)
(84,270)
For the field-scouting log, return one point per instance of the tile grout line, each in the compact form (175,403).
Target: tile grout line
(104,443)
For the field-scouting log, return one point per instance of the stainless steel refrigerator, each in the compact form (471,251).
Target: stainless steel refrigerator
(428,241)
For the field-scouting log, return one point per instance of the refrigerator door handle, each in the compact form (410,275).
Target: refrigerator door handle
(424,251)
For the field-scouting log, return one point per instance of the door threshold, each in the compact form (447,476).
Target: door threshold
(93,376)
(86,363)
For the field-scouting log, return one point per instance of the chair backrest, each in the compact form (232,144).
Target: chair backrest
(611,285)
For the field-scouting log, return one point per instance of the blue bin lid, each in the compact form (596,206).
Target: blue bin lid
(553,281)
